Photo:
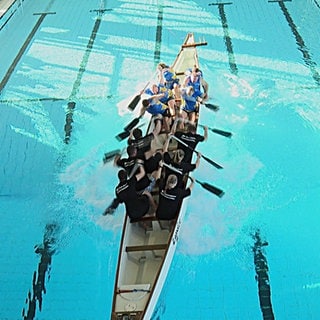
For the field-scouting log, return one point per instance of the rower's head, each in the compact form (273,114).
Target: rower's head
(192,128)
(122,175)
(178,156)
(162,66)
(131,151)
(137,133)
(155,89)
(145,103)
(196,71)
(171,181)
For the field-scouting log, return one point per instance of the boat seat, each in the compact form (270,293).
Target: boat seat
(148,247)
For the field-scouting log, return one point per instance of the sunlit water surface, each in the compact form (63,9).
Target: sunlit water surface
(50,189)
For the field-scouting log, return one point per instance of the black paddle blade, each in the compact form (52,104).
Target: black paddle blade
(212,107)
(123,135)
(221,132)
(212,162)
(132,105)
(132,124)
(110,155)
(218,192)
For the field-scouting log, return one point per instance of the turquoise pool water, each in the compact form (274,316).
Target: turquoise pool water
(261,63)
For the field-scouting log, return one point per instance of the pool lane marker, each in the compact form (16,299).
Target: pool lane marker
(157,49)
(75,89)
(262,277)
(226,37)
(23,49)
(300,42)
(45,251)
(316,3)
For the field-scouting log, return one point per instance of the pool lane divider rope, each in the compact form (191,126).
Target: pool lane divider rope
(262,277)
(227,38)
(22,50)
(300,42)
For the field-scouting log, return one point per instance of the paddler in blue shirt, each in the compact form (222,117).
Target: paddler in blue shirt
(190,105)
(168,75)
(167,97)
(154,106)
(195,79)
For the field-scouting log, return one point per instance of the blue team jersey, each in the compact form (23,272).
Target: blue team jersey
(190,102)
(161,89)
(170,78)
(196,86)
(157,108)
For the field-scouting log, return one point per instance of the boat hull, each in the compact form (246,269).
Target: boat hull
(148,245)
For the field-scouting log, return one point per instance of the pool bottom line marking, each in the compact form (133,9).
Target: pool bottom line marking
(157,49)
(226,36)
(262,277)
(22,50)
(45,251)
(300,42)
(77,83)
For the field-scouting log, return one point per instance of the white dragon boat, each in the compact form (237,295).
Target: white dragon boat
(145,254)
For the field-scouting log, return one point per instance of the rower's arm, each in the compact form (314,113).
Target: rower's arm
(166,145)
(191,185)
(198,159)
(142,112)
(205,86)
(160,77)
(157,96)
(116,159)
(141,173)
(185,81)
(174,126)
(205,128)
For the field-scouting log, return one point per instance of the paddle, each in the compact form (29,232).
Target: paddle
(218,192)
(218,131)
(202,156)
(215,190)
(211,106)
(126,133)
(123,135)
(110,155)
(132,124)
(133,104)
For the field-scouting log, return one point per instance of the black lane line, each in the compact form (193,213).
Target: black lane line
(316,3)
(262,277)
(157,48)
(22,50)
(30,100)
(301,44)
(226,36)
(45,251)
(69,120)
(75,89)
(85,58)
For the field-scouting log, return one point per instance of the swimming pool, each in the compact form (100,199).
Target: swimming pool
(66,78)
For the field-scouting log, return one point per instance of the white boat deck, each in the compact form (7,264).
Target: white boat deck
(4,6)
